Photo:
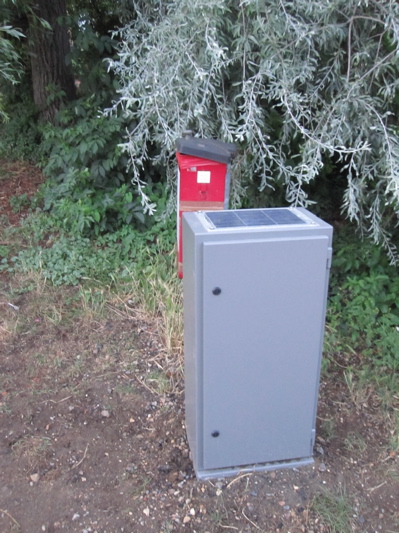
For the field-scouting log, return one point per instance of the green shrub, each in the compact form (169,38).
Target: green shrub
(20,136)
(89,189)
(363,312)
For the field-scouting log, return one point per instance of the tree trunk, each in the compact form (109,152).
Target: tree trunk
(49,48)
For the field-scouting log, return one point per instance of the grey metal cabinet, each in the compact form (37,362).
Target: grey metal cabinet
(255,292)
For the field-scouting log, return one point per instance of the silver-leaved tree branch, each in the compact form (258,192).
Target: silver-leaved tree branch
(291,82)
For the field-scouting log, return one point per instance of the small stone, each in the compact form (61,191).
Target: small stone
(35,478)
(320,450)
(322,467)
(146,511)
(186,520)
(164,469)
(75,517)
(105,413)
(302,494)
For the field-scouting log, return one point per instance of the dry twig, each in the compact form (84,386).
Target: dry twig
(2,511)
(238,478)
(83,458)
(250,521)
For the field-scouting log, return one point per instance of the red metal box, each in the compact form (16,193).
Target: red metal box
(203,179)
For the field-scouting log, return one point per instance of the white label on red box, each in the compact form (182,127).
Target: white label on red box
(203,176)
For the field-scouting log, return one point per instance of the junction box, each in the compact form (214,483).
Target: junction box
(255,290)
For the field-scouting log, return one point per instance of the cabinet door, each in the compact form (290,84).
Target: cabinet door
(262,337)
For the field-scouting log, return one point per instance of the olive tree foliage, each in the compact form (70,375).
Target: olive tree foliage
(292,82)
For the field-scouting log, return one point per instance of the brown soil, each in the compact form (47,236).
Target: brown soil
(89,443)
(16,179)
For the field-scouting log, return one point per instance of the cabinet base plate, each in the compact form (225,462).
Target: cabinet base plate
(261,467)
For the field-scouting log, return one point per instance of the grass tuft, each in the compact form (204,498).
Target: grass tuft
(334,510)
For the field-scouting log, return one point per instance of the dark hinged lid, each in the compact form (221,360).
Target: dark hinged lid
(212,149)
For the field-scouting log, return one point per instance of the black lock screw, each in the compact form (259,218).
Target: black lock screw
(216,291)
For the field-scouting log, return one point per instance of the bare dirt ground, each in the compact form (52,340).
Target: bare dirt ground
(89,442)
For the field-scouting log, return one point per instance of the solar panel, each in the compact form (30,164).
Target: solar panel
(283,216)
(255,218)
(224,219)
(252,217)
